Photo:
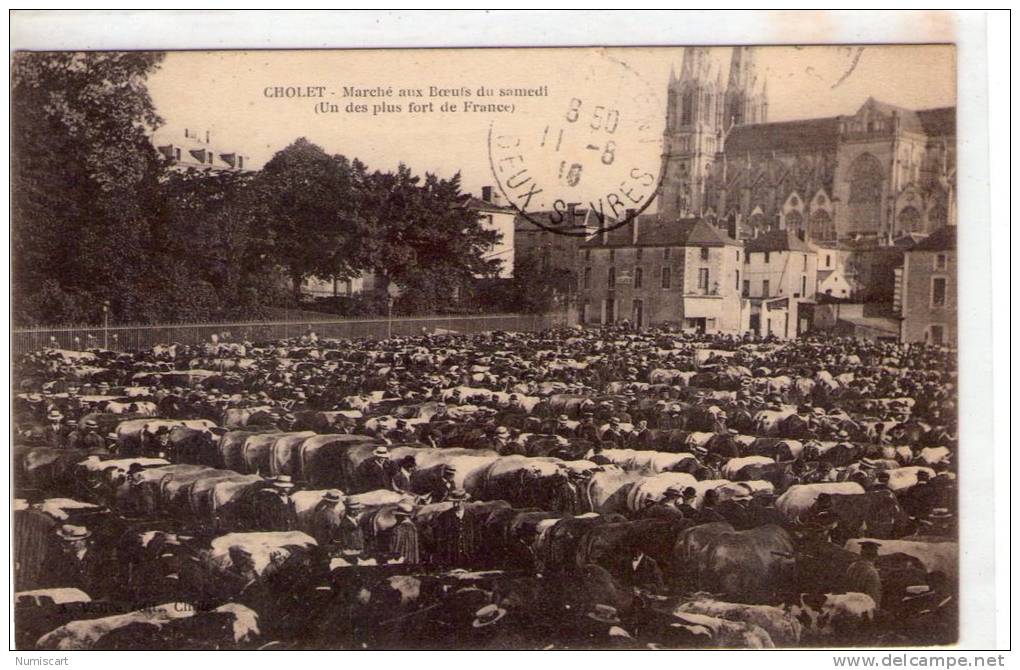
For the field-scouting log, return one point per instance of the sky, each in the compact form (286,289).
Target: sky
(224,92)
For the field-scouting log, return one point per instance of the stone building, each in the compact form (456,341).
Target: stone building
(192,149)
(646,272)
(878,172)
(925,294)
(494,215)
(780,279)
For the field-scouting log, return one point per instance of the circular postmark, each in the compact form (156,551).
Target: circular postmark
(589,160)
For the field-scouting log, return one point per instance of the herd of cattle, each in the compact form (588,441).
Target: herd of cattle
(565,489)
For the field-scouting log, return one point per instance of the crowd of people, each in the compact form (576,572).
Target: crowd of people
(576,488)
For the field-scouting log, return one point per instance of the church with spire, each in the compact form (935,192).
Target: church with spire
(879,173)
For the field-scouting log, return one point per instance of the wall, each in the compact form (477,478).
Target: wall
(501,221)
(918,312)
(682,300)
(784,272)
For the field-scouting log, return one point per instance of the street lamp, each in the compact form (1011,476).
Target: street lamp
(389,317)
(106,324)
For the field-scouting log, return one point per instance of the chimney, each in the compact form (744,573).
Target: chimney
(487,193)
(207,137)
(634,227)
(186,133)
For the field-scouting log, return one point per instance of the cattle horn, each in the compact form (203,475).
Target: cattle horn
(783,554)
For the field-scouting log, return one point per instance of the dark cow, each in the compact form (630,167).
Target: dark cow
(753,566)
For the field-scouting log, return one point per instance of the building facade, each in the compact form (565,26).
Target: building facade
(192,149)
(878,173)
(780,279)
(686,273)
(926,290)
(495,216)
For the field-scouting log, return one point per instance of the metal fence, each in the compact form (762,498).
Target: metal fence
(126,338)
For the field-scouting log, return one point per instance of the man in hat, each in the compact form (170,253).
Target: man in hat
(400,433)
(601,627)
(376,472)
(286,422)
(562,427)
(587,430)
(456,535)
(272,508)
(642,571)
(941,522)
(637,438)
(686,503)
(55,434)
(404,536)
(78,564)
(521,554)
(401,479)
(500,441)
(72,436)
(881,481)
(514,406)
(445,485)
(709,513)
(91,440)
(613,434)
(441,414)
(349,537)
(668,507)
(862,575)
(326,518)
(737,510)
(919,500)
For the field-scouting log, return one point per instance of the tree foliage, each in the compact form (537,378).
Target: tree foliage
(82,170)
(100,217)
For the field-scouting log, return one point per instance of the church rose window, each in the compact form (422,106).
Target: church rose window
(865,193)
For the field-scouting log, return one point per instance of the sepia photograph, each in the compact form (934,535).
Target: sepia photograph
(577,348)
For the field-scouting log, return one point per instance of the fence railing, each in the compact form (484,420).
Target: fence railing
(134,337)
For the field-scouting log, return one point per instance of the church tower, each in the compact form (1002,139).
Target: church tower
(746,92)
(692,133)
(700,110)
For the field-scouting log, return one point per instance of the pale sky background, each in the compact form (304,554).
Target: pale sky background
(223,92)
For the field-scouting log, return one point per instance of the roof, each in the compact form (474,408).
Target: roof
(938,121)
(485,206)
(943,239)
(805,135)
(655,232)
(878,323)
(777,240)
(909,240)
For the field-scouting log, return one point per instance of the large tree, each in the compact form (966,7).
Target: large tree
(424,237)
(311,223)
(82,171)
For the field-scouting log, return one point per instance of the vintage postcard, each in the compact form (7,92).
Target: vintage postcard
(491,348)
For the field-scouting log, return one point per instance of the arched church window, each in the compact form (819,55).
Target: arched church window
(822,227)
(937,217)
(686,108)
(865,193)
(909,220)
(794,220)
